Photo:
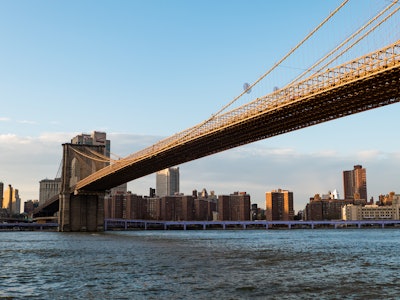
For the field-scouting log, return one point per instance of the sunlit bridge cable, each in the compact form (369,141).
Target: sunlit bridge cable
(359,39)
(101,156)
(283,59)
(182,135)
(90,157)
(361,29)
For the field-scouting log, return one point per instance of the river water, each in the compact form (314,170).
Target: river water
(211,264)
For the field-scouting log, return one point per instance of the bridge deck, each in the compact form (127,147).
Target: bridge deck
(366,83)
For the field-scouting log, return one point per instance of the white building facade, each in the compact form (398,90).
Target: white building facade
(352,212)
(167,182)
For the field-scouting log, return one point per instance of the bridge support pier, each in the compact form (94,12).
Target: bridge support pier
(81,212)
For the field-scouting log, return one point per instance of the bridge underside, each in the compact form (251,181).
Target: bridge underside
(48,209)
(338,101)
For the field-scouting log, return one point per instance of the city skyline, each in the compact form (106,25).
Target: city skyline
(332,192)
(143,72)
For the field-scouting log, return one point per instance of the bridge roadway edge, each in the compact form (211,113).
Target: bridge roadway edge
(340,101)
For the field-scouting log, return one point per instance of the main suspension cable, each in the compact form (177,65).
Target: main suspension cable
(90,157)
(347,40)
(282,59)
(262,77)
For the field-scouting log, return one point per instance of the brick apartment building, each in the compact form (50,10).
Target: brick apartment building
(279,205)
(234,207)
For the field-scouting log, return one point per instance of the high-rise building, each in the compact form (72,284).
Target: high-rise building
(170,208)
(187,211)
(279,205)
(153,211)
(177,208)
(136,206)
(11,201)
(117,206)
(152,192)
(355,183)
(235,207)
(1,194)
(201,209)
(167,182)
(48,188)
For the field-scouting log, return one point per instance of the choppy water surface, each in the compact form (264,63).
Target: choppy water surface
(239,264)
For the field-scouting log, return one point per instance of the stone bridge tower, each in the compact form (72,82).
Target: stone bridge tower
(82,211)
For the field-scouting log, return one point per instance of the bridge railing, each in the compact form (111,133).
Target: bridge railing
(363,67)
(317,83)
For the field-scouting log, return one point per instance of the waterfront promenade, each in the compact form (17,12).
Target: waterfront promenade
(123,224)
(118,224)
(27,226)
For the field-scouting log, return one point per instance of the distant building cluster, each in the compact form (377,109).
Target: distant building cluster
(234,207)
(388,210)
(322,208)
(171,208)
(10,202)
(166,202)
(355,204)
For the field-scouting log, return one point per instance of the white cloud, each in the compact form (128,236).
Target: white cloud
(27,122)
(4,119)
(370,154)
(12,141)
(326,153)
(56,137)
(24,161)
(6,137)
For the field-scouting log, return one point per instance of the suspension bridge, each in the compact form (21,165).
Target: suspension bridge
(323,92)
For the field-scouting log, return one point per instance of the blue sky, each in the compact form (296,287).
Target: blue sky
(144,70)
